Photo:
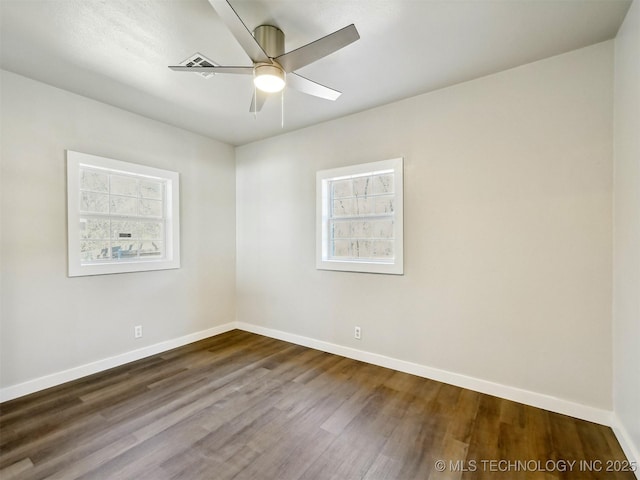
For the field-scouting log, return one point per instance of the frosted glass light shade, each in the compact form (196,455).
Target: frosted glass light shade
(269,78)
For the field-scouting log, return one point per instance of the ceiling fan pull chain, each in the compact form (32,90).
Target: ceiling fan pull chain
(282,109)
(255,101)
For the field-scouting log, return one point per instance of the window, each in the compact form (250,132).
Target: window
(122,217)
(359,218)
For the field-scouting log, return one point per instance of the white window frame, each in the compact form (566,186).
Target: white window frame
(171,259)
(394,266)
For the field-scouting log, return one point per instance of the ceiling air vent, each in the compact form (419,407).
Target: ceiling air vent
(199,60)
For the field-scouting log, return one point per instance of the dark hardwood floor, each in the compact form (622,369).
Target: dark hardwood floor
(244,406)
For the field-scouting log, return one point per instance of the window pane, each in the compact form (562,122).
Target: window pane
(94,181)
(152,249)
(121,185)
(364,205)
(123,205)
(94,202)
(362,186)
(384,204)
(95,229)
(341,229)
(383,183)
(341,188)
(124,250)
(383,229)
(383,249)
(150,189)
(343,208)
(151,231)
(361,229)
(150,208)
(342,249)
(361,248)
(91,250)
(122,230)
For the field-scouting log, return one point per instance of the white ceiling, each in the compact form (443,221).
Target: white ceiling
(117,51)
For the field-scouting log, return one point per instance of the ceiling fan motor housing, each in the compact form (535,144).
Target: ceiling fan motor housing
(271,39)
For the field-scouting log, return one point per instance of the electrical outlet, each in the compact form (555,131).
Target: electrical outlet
(137,331)
(357,333)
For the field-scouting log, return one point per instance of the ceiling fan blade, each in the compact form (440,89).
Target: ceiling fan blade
(213,69)
(322,47)
(257,100)
(240,31)
(310,87)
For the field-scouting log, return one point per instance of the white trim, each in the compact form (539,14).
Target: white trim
(547,402)
(527,397)
(393,266)
(171,259)
(58,378)
(631,450)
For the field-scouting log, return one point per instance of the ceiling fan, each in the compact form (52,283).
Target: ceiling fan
(272,68)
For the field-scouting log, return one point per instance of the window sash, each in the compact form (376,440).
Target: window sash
(139,239)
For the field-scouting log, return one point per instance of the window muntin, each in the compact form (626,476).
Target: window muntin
(122,217)
(360,218)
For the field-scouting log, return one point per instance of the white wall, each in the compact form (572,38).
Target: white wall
(51,322)
(508,218)
(626,277)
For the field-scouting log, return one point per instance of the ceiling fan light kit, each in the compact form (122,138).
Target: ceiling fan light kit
(269,78)
(273,69)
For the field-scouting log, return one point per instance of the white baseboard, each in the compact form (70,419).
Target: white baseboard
(527,397)
(547,402)
(631,450)
(41,383)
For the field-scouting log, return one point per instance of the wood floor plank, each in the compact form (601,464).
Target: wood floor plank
(464,416)
(353,452)
(414,443)
(289,452)
(15,469)
(243,406)
(137,459)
